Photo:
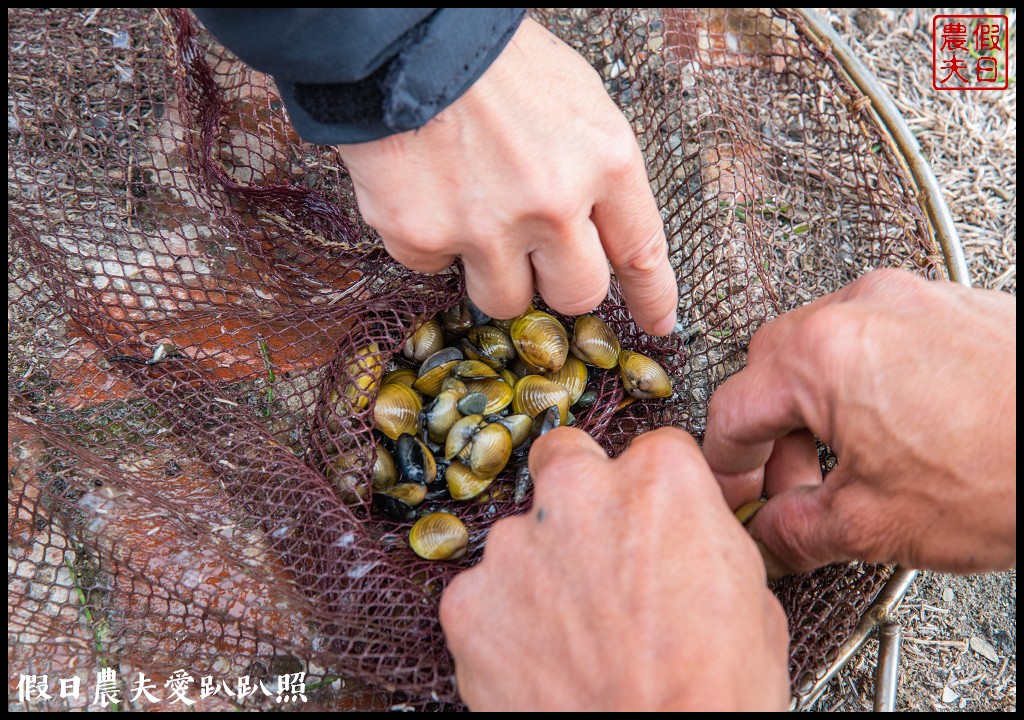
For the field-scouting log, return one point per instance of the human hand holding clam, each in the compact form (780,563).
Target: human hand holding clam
(532,176)
(628,585)
(913,385)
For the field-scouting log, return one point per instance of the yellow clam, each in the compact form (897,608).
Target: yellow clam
(462,483)
(438,417)
(402,376)
(642,377)
(385,472)
(572,376)
(540,340)
(431,381)
(490,345)
(506,325)
(534,394)
(426,341)
(439,536)
(343,472)
(488,451)
(594,342)
(497,391)
(473,370)
(519,427)
(396,411)
(460,435)
(364,372)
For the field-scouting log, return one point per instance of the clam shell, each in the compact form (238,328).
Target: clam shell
(396,411)
(519,427)
(462,483)
(473,370)
(489,451)
(489,345)
(540,340)
(431,381)
(439,536)
(426,341)
(497,391)
(415,460)
(460,435)
(400,501)
(594,342)
(364,373)
(572,376)
(439,416)
(642,377)
(534,394)
(402,376)
(385,472)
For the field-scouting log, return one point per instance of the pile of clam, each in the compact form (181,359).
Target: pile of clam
(484,389)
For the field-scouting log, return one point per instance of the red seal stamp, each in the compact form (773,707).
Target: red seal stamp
(970,52)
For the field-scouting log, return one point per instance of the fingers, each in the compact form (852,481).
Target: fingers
(562,453)
(499,279)
(798,530)
(794,463)
(747,413)
(572,273)
(633,237)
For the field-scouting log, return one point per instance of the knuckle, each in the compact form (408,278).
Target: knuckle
(648,255)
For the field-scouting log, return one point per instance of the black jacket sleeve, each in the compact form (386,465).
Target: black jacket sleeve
(355,75)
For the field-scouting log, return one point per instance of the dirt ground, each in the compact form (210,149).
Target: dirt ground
(960,633)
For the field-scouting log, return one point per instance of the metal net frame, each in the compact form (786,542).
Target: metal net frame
(182,514)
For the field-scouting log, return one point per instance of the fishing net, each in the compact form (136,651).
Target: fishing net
(181,515)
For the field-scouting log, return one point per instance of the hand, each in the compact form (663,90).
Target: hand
(629,586)
(526,176)
(913,384)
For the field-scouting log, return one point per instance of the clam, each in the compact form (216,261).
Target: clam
(455,385)
(430,382)
(400,501)
(534,394)
(364,373)
(344,473)
(490,345)
(540,340)
(519,427)
(642,377)
(402,376)
(439,536)
(497,391)
(460,435)
(594,342)
(488,451)
(463,484)
(441,357)
(587,399)
(438,417)
(457,320)
(415,460)
(396,411)
(572,376)
(385,472)
(426,341)
(473,370)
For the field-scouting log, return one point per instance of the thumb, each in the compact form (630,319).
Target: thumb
(798,531)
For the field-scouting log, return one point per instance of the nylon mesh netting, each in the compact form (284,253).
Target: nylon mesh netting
(180,515)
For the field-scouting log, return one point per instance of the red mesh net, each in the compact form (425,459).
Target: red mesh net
(180,514)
